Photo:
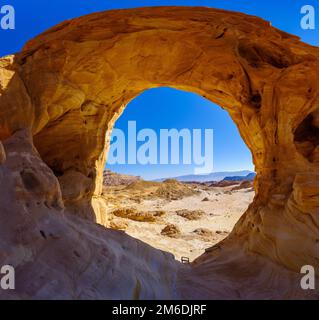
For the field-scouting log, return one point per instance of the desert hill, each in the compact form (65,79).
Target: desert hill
(114,179)
(179,217)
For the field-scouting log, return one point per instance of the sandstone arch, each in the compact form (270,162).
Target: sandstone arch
(70,84)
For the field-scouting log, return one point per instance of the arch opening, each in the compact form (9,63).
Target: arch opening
(169,203)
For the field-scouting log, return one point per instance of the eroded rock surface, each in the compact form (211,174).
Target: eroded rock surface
(59,100)
(60,256)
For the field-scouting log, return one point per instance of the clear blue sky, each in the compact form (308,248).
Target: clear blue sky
(178,109)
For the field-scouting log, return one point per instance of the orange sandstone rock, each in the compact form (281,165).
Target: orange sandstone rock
(69,85)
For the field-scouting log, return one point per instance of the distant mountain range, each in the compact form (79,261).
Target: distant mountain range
(216,176)
(250,177)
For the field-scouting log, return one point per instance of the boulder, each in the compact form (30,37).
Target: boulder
(171,231)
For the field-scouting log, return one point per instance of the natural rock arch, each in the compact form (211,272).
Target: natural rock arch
(70,84)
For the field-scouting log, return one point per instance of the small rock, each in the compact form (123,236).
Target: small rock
(205,199)
(190,215)
(159,213)
(221,232)
(171,231)
(118,225)
(203,232)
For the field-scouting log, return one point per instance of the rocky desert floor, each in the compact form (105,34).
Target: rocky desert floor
(184,219)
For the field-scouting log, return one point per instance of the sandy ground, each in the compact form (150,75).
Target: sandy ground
(219,215)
